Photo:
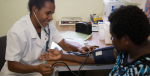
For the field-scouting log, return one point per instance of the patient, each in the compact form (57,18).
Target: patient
(129,29)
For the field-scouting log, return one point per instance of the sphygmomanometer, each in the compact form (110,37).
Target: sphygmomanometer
(104,55)
(101,55)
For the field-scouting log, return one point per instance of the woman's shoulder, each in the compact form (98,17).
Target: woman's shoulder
(20,25)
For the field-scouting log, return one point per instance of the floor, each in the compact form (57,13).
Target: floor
(87,73)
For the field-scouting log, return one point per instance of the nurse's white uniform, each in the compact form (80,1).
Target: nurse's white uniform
(25,46)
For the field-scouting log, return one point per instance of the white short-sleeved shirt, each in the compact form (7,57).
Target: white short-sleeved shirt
(25,46)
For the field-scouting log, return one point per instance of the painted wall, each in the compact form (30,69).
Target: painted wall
(10,12)
(13,10)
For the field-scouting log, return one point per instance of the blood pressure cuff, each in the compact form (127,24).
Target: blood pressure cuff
(104,55)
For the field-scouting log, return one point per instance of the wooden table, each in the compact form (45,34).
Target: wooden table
(93,40)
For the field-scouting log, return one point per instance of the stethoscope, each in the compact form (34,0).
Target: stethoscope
(47,33)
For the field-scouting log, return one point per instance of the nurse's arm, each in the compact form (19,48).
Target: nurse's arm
(22,68)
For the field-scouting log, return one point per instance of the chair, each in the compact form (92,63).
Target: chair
(2,51)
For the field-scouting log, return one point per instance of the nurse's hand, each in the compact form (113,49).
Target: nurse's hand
(52,54)
(45,70)
(84,49)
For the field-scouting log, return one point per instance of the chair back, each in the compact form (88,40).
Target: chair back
(2,51)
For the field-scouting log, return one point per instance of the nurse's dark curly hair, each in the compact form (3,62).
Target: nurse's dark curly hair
(131,21)
(38,3)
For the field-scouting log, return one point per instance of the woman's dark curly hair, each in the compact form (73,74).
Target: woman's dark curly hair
(131,21)
(38,3)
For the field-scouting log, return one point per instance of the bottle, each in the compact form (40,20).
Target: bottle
(107,33)
(101,30)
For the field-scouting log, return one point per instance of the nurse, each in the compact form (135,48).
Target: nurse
(30,37)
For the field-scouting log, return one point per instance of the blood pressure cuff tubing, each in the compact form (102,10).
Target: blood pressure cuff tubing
(104,55)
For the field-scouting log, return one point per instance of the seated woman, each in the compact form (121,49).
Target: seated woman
(129,27)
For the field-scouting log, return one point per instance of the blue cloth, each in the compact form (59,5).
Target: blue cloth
(139,67)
